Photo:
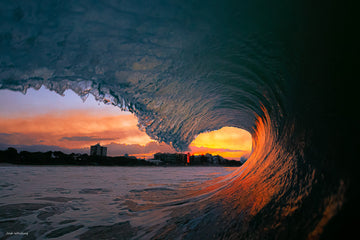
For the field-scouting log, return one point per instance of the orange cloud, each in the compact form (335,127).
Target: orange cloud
(73,129)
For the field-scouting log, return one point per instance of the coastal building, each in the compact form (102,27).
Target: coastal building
(171,158)
(206,159)
(98,150)
(155,162)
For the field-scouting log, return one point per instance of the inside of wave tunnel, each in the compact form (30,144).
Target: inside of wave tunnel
(283,72)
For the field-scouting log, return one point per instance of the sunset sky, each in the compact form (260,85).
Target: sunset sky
(45,121)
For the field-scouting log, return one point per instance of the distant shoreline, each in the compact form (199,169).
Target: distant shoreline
(57,158)
(155,166)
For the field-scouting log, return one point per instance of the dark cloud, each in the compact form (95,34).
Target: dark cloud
(18,138)
(115,149)
(4,135)
(42,148)
(85,139)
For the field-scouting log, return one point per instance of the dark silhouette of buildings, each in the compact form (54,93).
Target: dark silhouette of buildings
(188,159)
(12,156)
(59,158)
(171,158)
(98,150)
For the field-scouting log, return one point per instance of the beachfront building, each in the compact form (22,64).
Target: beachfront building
(155,162)
(171,158)
(98,150)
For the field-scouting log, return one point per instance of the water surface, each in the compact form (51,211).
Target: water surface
(52,202)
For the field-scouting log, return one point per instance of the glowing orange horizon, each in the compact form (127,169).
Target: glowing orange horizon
(228,142)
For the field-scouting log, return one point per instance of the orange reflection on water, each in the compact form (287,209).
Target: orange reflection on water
(264,175)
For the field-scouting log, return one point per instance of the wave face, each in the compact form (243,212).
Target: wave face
(188,67)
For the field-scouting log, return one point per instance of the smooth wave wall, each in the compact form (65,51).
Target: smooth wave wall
(187,67)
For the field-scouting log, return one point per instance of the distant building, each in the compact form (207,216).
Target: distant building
(155,162)
(98,150)
(206,159)
(177,158)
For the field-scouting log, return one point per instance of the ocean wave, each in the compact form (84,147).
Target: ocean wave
(187,68)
